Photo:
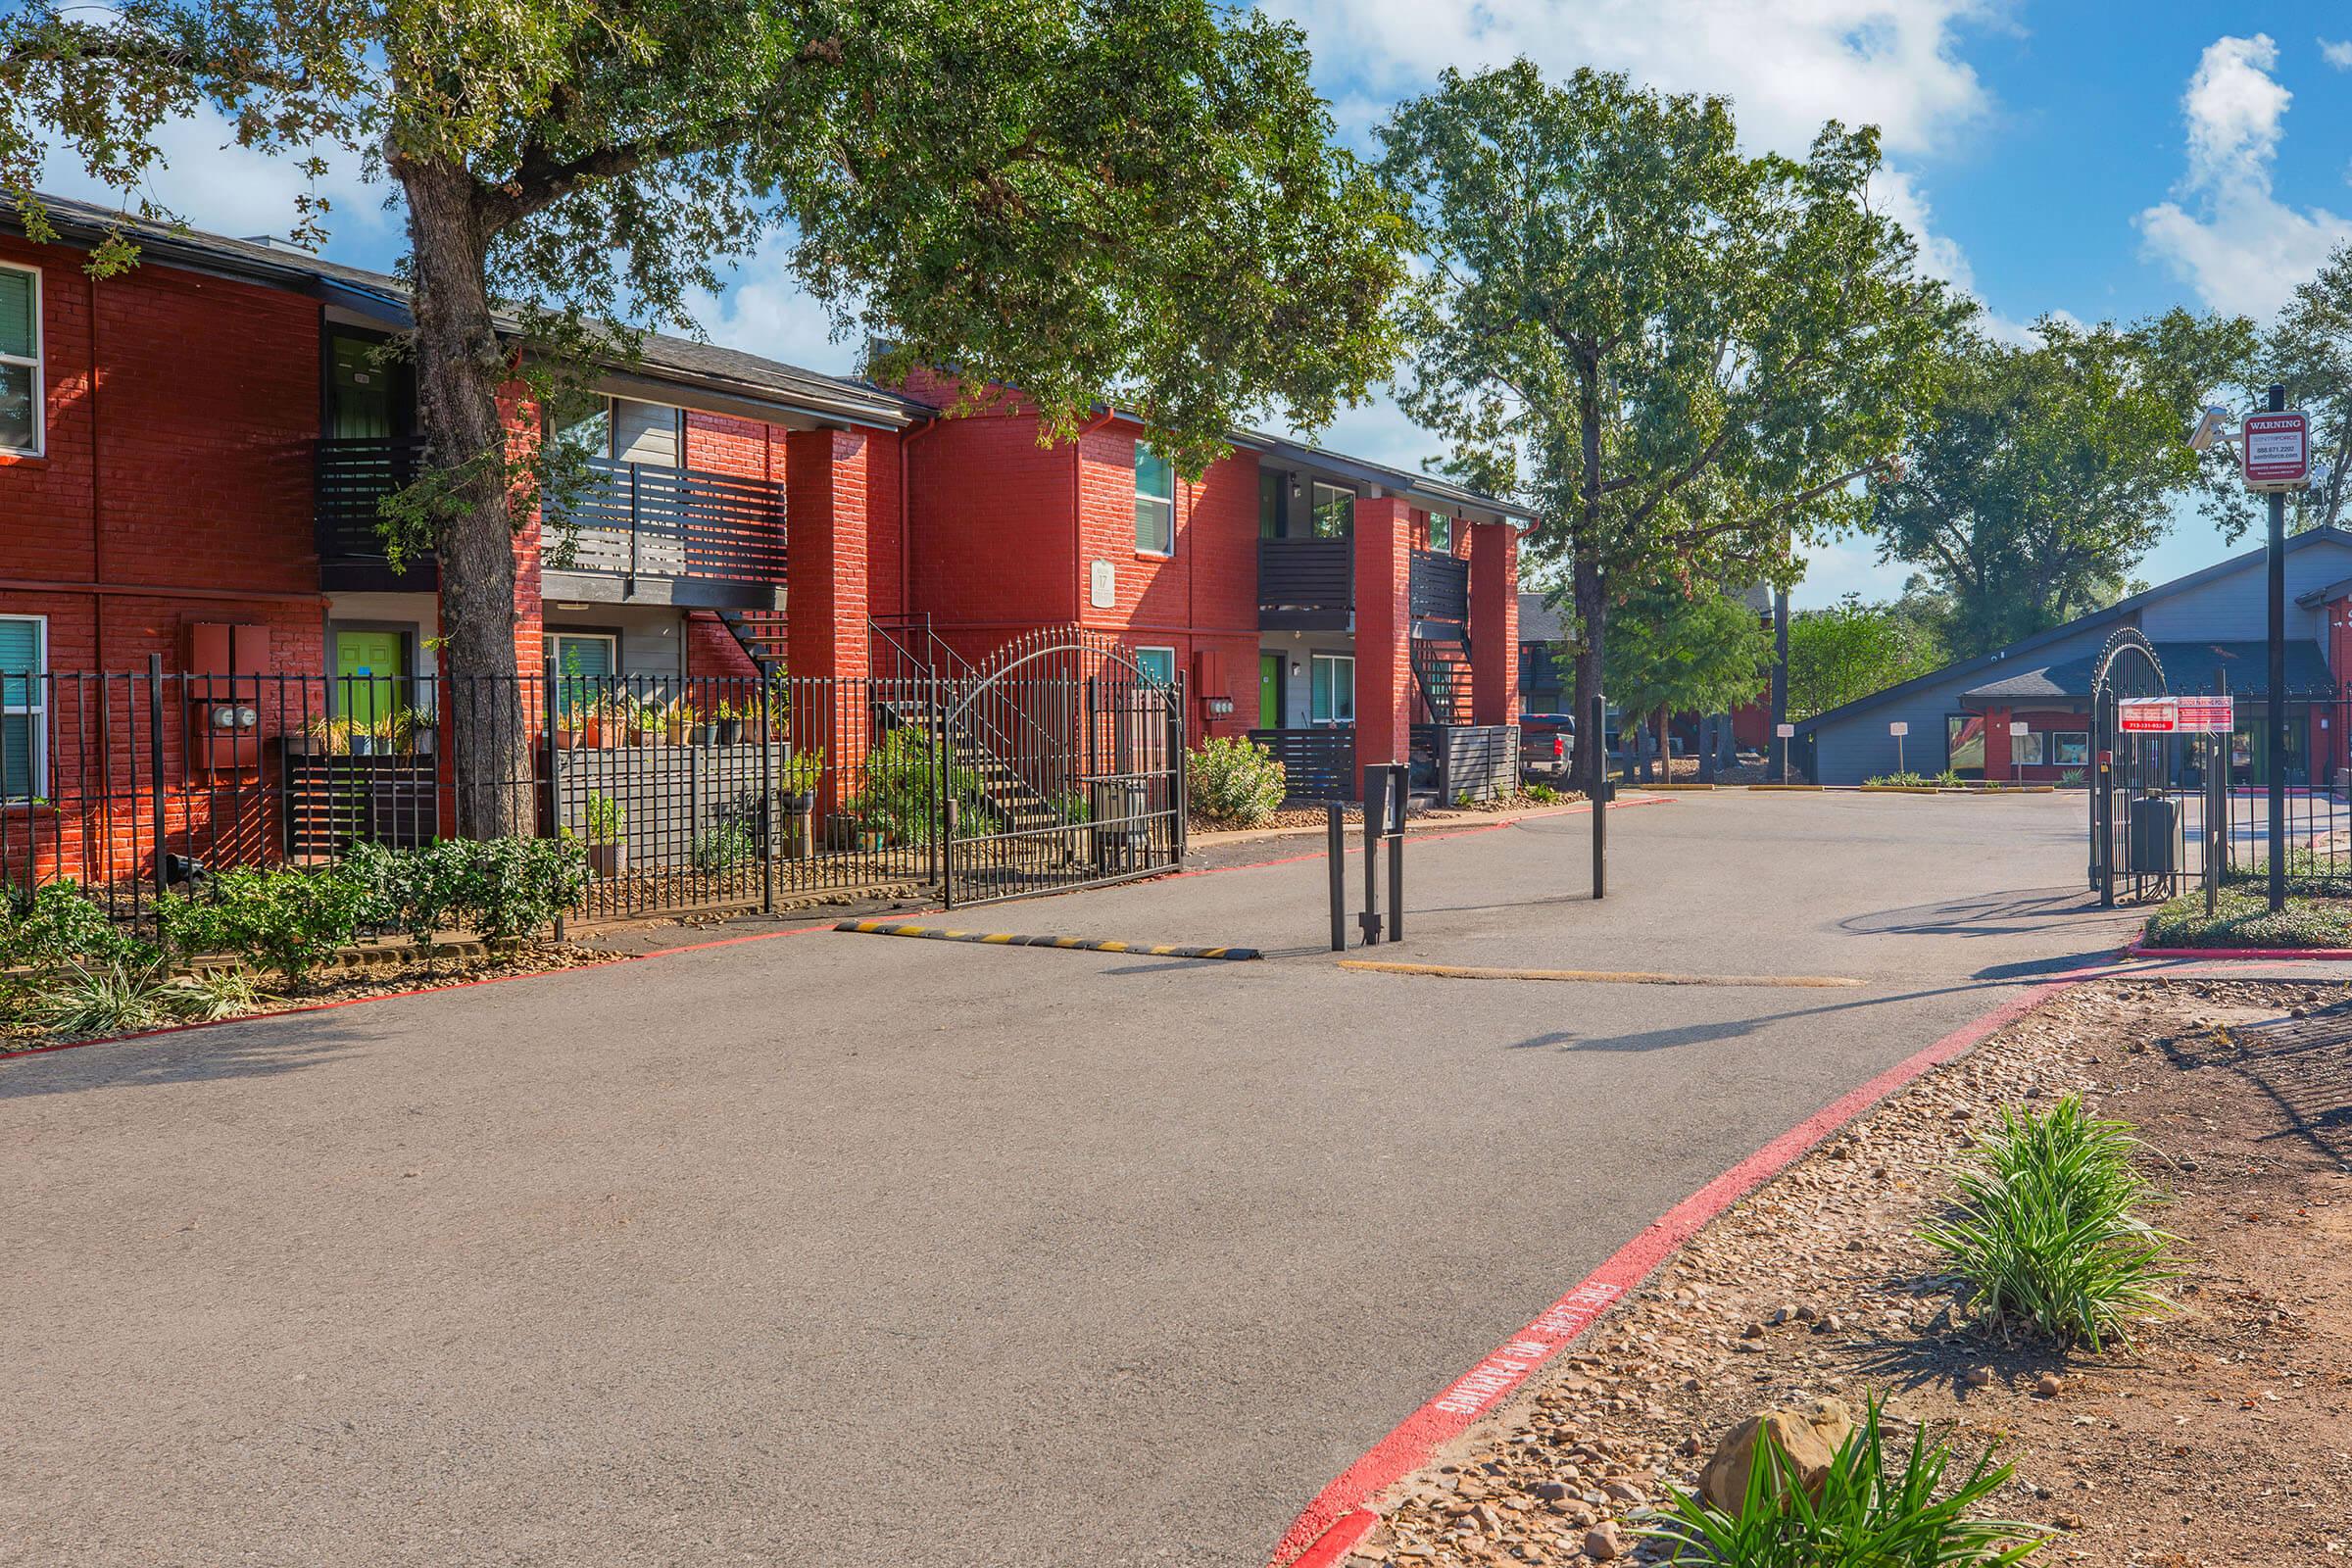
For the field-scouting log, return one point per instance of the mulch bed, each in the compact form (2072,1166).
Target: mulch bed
(2219,1438)
(387,971)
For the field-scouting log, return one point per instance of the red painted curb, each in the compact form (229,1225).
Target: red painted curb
(1339,1513)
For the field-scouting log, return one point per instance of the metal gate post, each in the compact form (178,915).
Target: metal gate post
(768,836)
(1375,810)
(1334,856)
(1394,826)
(155,770)
(1596,734)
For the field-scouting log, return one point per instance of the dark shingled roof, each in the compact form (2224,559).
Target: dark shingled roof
(720,369)
(2240,668)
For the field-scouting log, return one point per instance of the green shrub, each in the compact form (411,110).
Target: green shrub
(507,888)
(1234,781)
(603,818)
(60,927)
(1541,793)
(1864,1517)
(418,892)
(290,918)
(724,848)
(2048,1232)
(1905,780)
(904,792)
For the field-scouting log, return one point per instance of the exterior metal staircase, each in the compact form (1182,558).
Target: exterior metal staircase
(1442,671)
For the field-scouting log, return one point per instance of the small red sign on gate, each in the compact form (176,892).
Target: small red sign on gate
(2206,716)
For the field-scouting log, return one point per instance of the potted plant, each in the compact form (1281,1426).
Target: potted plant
(730,723)
(796,790)
(315,738)
(676,721)
(602,819)
(423,725)
(700,729)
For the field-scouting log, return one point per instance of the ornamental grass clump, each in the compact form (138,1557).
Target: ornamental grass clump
(2048,1232)
(1864,1512)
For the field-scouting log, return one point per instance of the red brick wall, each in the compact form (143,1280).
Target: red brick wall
(711,649)
(175,488)
(991,512)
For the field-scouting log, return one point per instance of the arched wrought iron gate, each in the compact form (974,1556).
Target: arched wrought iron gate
(1058,764)
(2159,814)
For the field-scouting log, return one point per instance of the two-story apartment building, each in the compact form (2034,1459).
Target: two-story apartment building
(192,454)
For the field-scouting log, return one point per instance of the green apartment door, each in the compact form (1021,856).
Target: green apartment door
(1269,691)
(367,676)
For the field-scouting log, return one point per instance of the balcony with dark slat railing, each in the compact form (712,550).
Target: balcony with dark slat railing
(1438,588)
(1305,584)
(648,525)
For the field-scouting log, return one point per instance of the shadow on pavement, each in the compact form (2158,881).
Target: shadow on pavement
(1993,914)
(193,1056)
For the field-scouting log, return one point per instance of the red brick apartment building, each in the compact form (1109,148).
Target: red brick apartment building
(191,454)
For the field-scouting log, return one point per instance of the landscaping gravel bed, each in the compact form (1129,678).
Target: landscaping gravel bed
(2219,1438)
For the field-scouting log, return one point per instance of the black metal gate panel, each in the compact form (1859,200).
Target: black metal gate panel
(1058,764)
(2159,812)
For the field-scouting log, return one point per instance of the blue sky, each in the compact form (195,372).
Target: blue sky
(2105,160)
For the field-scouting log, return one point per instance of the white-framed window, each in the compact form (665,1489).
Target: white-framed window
(585,663)
(2025,750)
(1334,510)
(24,706)
(1158,664)
(20,389)
(1154,502)
(1440,533)
(1331,696)
(2071,748)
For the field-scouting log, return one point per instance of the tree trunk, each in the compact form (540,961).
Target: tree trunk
(458,368)
(1665,746)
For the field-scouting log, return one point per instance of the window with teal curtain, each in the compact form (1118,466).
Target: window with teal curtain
(23,769)
(584,664)
(19,360)
(1158,664)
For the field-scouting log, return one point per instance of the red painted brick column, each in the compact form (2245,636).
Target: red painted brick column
(1383,629)
(1493,623)
(826,647)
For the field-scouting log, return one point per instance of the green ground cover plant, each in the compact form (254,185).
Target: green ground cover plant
(1874,1508)
(2048,1232)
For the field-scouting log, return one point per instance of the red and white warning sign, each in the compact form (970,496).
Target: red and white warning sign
(2275,450)
(2143,716)
(2204,715)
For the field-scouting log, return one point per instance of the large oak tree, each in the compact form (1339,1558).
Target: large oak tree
(1129,200)
(1683,355)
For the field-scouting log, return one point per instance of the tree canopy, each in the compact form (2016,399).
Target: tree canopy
(1682,356)
(1134,203)
(2043,473)
(2309,349)
(1852,648)
(1681,649)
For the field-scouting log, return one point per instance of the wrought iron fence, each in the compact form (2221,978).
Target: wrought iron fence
(686,793)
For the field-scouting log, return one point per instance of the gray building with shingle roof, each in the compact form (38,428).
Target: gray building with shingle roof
(2208,629)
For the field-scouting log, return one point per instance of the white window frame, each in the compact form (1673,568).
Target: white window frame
(1167,649)
(1442,546)
(1334,660)
(34,709)
(557,636)
(38,364)
(1169,502)
(1314,507)
(2035,741)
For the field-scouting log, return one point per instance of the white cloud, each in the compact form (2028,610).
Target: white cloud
(222,188)
(766,310)
(1789,65)
(2337,54)
(2228,236)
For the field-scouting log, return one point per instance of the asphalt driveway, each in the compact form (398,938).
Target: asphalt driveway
(837,1249)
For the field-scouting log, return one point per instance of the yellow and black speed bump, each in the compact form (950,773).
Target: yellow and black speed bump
(1008,939)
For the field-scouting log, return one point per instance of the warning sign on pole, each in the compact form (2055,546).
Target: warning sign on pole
(2205,716)
(2275,450)
(2145,715)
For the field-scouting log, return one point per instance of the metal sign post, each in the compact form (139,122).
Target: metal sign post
(1598,733)
(1384,785)
(2019,729)
(1785,732)
(1898,729)
(2275,453)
